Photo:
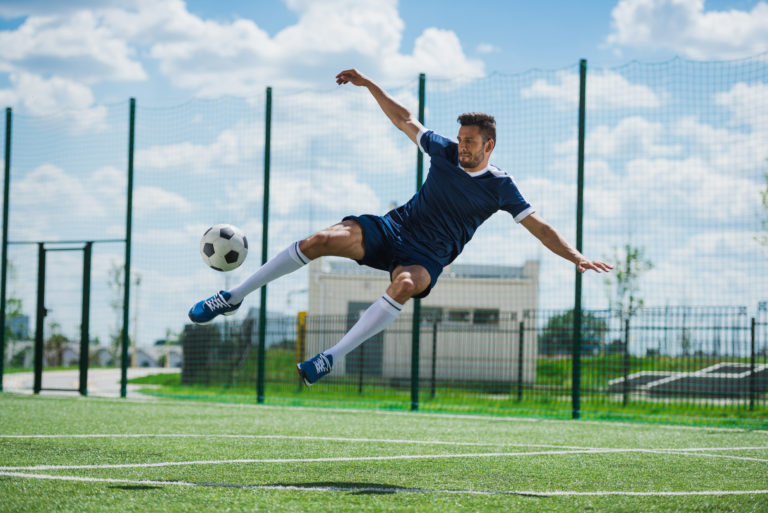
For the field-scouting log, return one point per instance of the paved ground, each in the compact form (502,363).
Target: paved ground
(101,382)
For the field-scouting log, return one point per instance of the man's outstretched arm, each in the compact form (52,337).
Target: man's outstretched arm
(559,246)
(399,115)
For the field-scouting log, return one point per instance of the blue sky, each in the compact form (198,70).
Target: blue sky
(82,59)
(114,49)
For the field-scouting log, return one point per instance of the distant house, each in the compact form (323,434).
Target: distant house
(470,318)
(155,356)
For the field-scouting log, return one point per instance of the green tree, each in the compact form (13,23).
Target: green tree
(13,311)
(115,279)
(55,345)
(557,335)
(623,284)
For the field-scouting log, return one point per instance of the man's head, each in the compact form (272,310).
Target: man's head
(477,138)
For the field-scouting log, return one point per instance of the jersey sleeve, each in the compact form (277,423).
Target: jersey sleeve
(435,145)
(512,200)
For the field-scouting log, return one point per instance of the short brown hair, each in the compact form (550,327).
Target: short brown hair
(484,122)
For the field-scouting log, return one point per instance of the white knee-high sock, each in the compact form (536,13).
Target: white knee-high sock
(376,318)
(287,261)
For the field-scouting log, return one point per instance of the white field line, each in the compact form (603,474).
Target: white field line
(296,437)
(383,489)
(372,440)
(487,418)
(373,458)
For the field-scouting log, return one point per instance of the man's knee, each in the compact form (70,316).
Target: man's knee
(409,283)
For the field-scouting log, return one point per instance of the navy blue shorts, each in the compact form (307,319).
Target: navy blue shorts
(385,250)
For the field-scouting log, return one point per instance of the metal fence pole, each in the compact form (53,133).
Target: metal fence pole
(85,319)
(434,360)
(40,319)
(264,237)
(128,231)
(625,399)
(752,366)
(416,326)
(520,353)
(4,264)
(576,367)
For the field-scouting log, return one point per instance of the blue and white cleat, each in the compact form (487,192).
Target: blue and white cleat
(315,368)
(205,311)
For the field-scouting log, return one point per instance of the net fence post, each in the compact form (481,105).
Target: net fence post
(85,319)
(576,367)
(752,365)
(520,356)
(40,319)
(625,371)
(4,264)
(128,229)
(264,237)
(416,326)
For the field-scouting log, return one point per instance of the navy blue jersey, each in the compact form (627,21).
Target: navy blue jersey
(444,214)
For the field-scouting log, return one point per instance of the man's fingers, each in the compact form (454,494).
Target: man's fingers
(594,265)
(346,76)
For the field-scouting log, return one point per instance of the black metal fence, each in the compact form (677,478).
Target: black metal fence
(682,360)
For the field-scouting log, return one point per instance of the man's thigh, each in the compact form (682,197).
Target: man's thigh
(344,239)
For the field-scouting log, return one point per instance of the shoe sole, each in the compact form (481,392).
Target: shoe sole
(233,312)
(303,375)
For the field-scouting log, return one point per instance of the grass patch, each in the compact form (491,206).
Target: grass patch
(272,458)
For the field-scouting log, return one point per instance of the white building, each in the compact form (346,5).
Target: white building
(471,319)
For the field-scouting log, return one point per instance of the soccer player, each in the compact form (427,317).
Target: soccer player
(414,241)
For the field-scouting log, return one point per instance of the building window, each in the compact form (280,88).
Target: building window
(486,316)
(431,314)
(459,315)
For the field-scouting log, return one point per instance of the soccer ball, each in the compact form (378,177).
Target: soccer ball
(223,247)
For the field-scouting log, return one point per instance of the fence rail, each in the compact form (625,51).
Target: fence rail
(675,358)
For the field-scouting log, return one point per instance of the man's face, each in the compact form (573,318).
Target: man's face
(472,147)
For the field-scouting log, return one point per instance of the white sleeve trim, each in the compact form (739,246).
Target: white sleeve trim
(525,213)
(418,138)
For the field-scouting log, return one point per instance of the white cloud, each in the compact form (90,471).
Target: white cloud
(631,137)
(686,28)
(107,41)
(605,90)
(149,200)
(732,152)
(70,101)
(240,58)
(231,147)
(439,54)
(337,192)
(686,189)
(487,48)
(748,104)
(74,45)
(76,204)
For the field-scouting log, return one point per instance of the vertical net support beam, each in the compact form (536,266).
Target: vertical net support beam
(128,230)
(576,367)
(40,319)
(85,319)
(264,238)
(4,264)
(416,326)
(752,365)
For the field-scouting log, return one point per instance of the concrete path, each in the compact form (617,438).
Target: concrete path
(101,382)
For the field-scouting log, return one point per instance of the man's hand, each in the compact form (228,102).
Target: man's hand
(351,76)
(595,265)
(397,114)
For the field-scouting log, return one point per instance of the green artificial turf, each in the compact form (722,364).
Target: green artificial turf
(277,458)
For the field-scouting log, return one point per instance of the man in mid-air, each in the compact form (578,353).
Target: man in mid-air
(415,241)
